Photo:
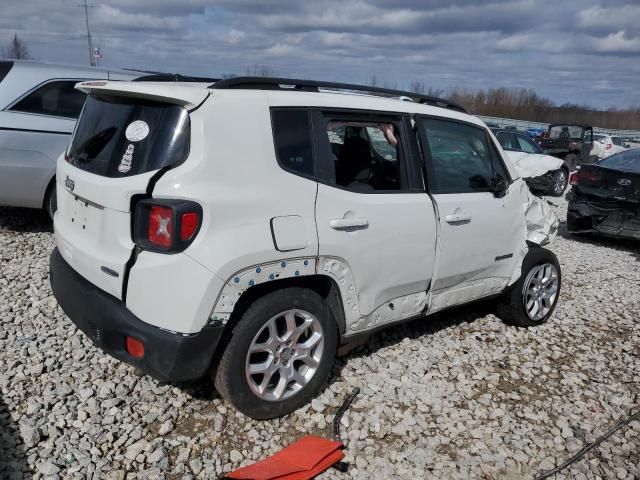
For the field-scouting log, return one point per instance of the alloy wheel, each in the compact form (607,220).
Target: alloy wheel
(540,291)
(284,355)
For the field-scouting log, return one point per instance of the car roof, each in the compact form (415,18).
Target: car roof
(191,94)
(508,130)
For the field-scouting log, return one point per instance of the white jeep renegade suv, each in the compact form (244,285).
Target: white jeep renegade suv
(246,229)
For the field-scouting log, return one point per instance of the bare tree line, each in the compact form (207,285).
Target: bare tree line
(526,104)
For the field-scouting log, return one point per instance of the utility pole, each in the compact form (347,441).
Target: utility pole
(89,41)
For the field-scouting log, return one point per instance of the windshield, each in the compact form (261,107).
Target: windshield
(625,161)
(120,137)
(600,138)
(565,131)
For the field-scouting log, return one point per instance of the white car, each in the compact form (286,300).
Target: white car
(38,110)
(608,145)
(247,228)
(544,174)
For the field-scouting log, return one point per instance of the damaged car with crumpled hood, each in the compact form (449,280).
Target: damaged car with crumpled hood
(247,228)
(605,197)
(545,175)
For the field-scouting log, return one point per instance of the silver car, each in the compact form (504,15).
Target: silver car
(38,110)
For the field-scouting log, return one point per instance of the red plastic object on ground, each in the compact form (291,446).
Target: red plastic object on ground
(302,460)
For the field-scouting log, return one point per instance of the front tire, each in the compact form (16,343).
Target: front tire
(560,180)
(280,354)
(533,298)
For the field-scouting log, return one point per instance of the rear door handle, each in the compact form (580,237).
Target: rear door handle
(458,217)
(347,223)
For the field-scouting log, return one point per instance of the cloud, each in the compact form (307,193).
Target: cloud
(568,51)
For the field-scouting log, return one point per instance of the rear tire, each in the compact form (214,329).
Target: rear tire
(572,161)
(533,298)
(560,181)
(51,199)
(290,335)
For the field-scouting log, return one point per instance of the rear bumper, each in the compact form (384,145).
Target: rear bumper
(615,221)
(169,356)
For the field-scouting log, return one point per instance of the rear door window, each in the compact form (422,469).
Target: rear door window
(120,137)
(58,98)
(367,154)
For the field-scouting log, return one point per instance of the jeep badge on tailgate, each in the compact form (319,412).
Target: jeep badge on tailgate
(69,183)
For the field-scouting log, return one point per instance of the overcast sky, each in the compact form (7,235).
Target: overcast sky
(582,51)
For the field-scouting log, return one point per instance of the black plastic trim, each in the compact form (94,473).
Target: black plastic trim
(169,356)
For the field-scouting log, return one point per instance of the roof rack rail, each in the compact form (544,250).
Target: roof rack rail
(173,77)
(293,84)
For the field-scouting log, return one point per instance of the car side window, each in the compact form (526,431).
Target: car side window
(292,139)
(506,140)
(526,145)
(462,160)
(58,98)
(367,155)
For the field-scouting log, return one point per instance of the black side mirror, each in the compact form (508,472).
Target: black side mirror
(499,186)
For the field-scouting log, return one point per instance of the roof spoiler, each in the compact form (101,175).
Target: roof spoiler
(183,95)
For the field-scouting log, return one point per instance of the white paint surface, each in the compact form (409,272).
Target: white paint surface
(531,165)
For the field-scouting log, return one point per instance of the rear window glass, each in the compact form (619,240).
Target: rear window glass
(120,137)
(565,131)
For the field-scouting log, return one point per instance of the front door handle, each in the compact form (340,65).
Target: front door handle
(458,217)
(348,223)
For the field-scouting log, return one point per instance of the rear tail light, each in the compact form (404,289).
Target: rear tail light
(573,178)
(585,177)
(189,225)
(608,146)
(166,225)
(160,230)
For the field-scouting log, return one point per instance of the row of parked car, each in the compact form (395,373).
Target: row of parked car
(245,228)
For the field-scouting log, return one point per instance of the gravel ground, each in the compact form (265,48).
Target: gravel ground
(459,395)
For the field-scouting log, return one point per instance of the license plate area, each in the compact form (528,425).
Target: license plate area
(84,216)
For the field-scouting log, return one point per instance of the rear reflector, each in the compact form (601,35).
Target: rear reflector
(135,347)
(161,226)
